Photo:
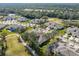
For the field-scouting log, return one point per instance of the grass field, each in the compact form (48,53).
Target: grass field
(56,20)
(14,47)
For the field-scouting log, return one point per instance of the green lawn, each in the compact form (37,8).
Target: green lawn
(57,20)
(14,47)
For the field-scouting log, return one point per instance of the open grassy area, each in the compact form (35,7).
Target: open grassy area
(56,20)
(29,28)
(14,47)
(5,32)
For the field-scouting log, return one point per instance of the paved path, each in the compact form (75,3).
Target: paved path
(29,48)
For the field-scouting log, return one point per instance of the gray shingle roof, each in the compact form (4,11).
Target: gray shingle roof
(54,25)
(15,26)
(9,18)
(42,39)
(73,30)
(22,19)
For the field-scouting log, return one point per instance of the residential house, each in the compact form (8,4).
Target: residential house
(22,19)
(53,25)
(2,26)
(8,18)
(15,27)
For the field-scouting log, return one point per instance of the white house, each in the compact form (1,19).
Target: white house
(76,39)
(11,14)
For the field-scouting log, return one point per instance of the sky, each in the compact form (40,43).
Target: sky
(39,1)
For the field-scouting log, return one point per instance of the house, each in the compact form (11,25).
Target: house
(63,39)
(9,22)
(65,35)
(8,18)
(76,40)
(22,19)
(71,44)
(52,48)
(15,27)
(59,27)
(74,31)
(53,25)
(67,52)
(42,39)
(1,17)
(11,15)
(2,26)
(76,47)
(37,21)
(77,50)
(71,38)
